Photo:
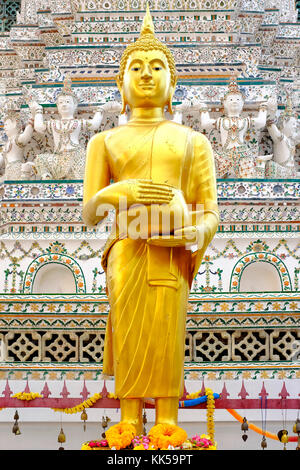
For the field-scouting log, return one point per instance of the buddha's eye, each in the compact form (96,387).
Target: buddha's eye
(157,67)
(136,68)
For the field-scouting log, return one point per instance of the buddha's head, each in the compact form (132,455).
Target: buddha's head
(147,76)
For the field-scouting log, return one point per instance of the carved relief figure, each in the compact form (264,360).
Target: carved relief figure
(12,157)
(68,157)
(285,137)
(236,160)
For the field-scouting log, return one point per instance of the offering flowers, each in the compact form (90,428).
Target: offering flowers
(162,436)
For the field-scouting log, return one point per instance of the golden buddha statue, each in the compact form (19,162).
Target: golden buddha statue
(155,163)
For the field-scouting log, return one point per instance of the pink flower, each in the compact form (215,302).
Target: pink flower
(104,443)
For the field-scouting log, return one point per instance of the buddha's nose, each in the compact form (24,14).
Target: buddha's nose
(146,72)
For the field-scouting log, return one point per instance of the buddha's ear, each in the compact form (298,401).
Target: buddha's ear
(169,102)
(120,88)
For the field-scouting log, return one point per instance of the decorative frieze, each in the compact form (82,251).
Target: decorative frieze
(228,190)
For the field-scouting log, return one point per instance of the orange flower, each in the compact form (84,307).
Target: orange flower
(164,435)
(120,435)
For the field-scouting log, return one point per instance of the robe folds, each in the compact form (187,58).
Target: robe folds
(148,289)
(148,286)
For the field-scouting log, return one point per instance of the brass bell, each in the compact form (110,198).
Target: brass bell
(16,416)
(296,427)
(283,437)
(16,429)
(264,442)
(104,422)
(244,426)
(84,417)
(61,437)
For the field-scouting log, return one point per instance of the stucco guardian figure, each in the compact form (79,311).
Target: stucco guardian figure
(12,157)
(236,159)
(162,171)
(285,137)
(68,158)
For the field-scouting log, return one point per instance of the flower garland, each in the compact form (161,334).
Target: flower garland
(203,442)
(120,435)
(210,408)
(28,396)
(95,445)
(86,404)
(142,443)
(164,435)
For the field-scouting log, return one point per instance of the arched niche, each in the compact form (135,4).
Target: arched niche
(54,278)
(260,277)
(56,267)
(263,271)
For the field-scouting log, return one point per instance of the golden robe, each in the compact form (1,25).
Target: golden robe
(148,286)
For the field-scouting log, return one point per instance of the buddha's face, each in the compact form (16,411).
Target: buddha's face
(147,79)
(233,104)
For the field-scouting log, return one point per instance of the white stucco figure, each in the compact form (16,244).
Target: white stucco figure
(12,156)
(285,136)
(236,159)
(68,158)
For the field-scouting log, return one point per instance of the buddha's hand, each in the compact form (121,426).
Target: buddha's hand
(144,192)
(186,236)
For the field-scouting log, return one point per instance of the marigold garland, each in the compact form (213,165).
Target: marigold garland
(28,396)
(164,435)
(86,404)
(210,408)
(120,435)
